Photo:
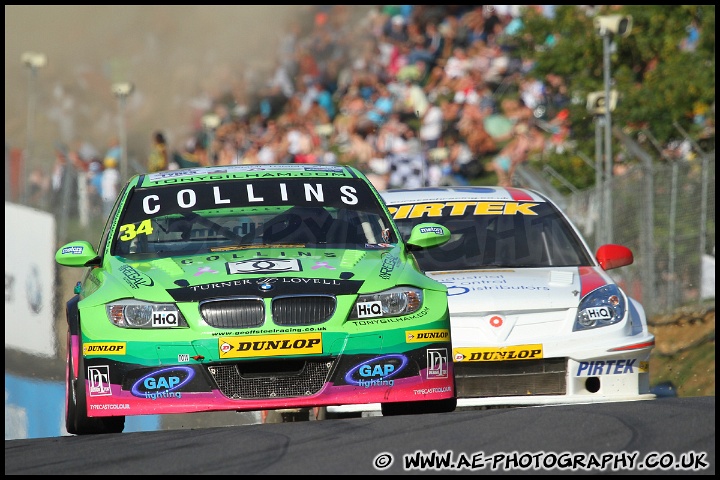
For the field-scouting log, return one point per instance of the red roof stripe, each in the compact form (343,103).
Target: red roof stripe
(589,280)
(518,194)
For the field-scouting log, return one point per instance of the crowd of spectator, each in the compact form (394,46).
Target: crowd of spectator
(412,95)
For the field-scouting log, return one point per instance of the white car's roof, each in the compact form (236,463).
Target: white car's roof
(431,194)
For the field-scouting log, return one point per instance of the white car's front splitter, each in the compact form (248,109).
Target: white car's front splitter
(529,401)
(538,400)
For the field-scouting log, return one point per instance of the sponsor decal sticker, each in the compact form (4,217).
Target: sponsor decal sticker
(388,265)
(129,231)
(254,189)
(111,406)
(270,345)
(165,318)
(495,354)
(611,367)
(76,250)
(602,312)
(105,348)
(134,278)
(436,230)
(163,383)
(434,335)
(369,309)
(460,208)
(267,285)
(377,372)
(265,265)
(405,318)
(99,381)
(437,363)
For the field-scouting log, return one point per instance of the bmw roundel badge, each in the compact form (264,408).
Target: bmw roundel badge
(265,286)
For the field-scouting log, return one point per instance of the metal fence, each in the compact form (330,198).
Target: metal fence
(665,213)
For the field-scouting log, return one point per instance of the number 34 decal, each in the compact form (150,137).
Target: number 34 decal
(130,232)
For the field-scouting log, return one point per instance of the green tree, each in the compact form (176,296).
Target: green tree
(660,83)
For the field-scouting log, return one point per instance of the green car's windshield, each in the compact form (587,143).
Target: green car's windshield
(218,216)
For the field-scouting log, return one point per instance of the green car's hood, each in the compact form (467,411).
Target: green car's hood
(263,272)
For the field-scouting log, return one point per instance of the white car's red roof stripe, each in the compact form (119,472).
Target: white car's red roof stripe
(589,280)
(518,194)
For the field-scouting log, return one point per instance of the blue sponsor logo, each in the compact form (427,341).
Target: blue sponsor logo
(606,367)
(455,290)
(77,250)
(437,230)
(377,371)
(163,383)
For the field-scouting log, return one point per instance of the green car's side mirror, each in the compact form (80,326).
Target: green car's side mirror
(428,235)
(75,254)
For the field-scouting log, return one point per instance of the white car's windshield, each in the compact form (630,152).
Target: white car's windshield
(541,239)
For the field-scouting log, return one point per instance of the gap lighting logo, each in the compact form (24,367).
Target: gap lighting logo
(378,371)
(163,383)
(99,380)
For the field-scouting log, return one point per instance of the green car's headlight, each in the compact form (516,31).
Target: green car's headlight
(602,307)
(389,303)
(137,314)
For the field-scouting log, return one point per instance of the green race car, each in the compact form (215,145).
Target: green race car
(254,287)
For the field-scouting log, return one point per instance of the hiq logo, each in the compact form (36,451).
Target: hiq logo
(599,313)
(165,319)
(74,250)
(369,309)
(163,383)
(378,368)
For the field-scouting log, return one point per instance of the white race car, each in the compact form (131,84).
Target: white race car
(535,317)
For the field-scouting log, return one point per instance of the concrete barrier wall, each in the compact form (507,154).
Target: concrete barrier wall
(36,409)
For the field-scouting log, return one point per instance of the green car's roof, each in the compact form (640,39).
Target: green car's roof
(235,172)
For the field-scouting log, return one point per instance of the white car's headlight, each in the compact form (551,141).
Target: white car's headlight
(137,314)
(389,303)
(602,307)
